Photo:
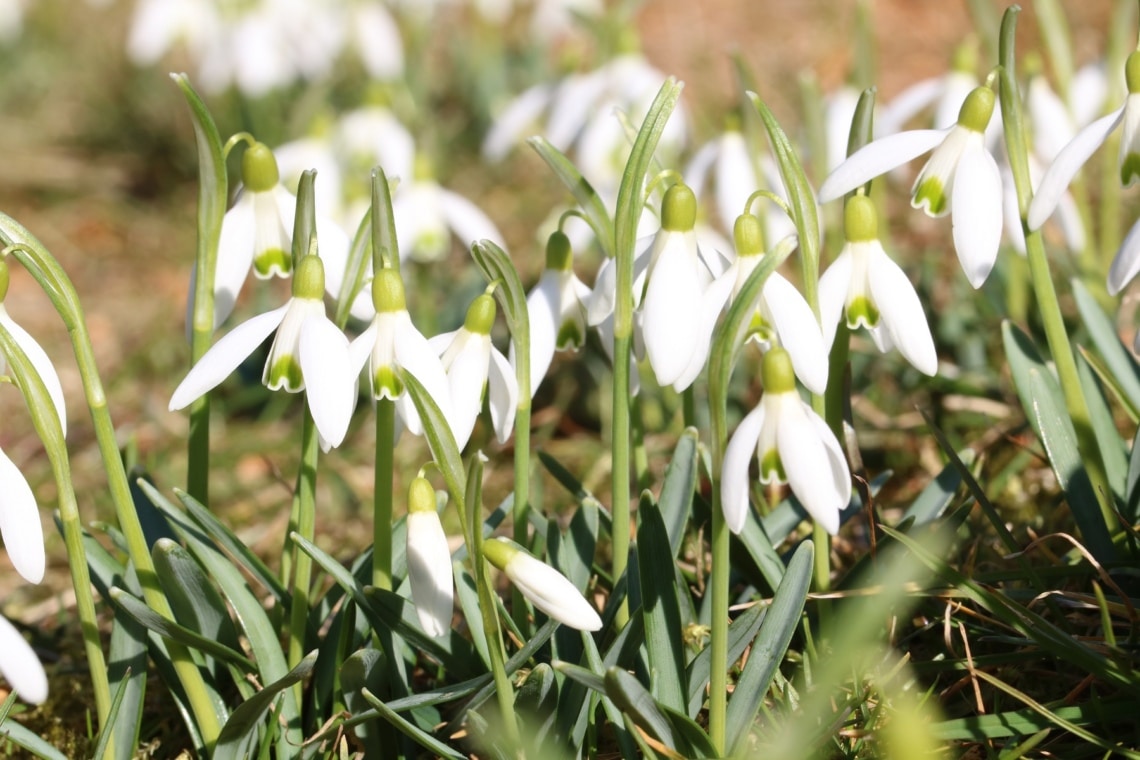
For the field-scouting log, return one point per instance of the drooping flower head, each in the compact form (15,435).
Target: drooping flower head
(308,354)
(474,368)
(392,345)
(870,289)
(556,308)
(794,446)
(429,560)
(782,316)
(542,585)
(960,178)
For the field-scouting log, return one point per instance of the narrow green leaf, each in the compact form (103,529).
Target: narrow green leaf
(634,700)
(412,731)
(1104,427)
(468,597)
(440,440)
(929,504)
(195,602)
(588,199)
(771,645)
(244,721)
(147,617)
(1132,504)
(111,726)
(497,266)
(1119,363)
(660,608)
(356,271)
(573,554)
(692,740)
(741,632)
(676,502)
(1045,409)
(1027,721)
(21,736)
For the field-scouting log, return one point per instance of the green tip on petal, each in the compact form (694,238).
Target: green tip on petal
(272,262)
(4,278)
(309,282)
(759,328)
(570,337)
(776,371)
(388,292)
(259,168)
(977,109)
(748,235)
(930,195)
(1130,169)
(1132,73)
(500,551)
(559,255)
(480,315)
(285,373)
(679,209)
(862,313)
(771,468)
(860,220)
(421,496)
(387,384)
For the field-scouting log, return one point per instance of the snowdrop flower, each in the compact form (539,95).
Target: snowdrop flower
(257,232)
(839,113)
(557,311)
(782,316)
(427,215)
(873,292)
(475,367)
(429,561)
(308,353)
(680,308)
(961,178)
(946,93)
(794,445)
(20,665)
(392,345)
(542,585)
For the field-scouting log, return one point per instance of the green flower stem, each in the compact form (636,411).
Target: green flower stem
(54,281)
(382,494)
(620,533)
(519,607)
(721,567)
(47,425)
(306,527)
(1041,277)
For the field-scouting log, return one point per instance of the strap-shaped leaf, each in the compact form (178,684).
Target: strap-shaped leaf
(660,607)
(409,729)
(1119,363)
(496,266)
(195,602)
(634,700)
(676,502)
(244,721)
(147,617)
(741,632)
(440,440)
(771,644)
(588,199)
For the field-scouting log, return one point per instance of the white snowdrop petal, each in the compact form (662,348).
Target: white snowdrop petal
(360,349)
(225,356)
(1068,162)
(20,523)
(467,220)
(802,451)
(799,332)
(467,379)
(976,213)
(901,312)
(429,571)
(235,257)
(503,394)
(330,383)
(517,118)
(1126,263)
(20,665)
(734,470)
(543,312)
(671,310)
(877,158)
(833,287)
(550,591)
(415,355)
(908,103)
(40,363)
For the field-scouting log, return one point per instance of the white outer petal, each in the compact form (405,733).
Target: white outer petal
(671,310)
(20,665)
(735,178)
(1068,162)
(467,220)
(901,313)
(550,591)
(467,377)
(415,355)
(908,103)
(429,571)
(976,212)
(1052,123)
(503,394)
(360,349)
(378,41)
(834,285)
(799,332)
(712,303)
(734,470)
(330,383)
(1126,263)
(225,356)
(40,363)
(805,450)
(542,306)
(20,523)
(235,256)
(877,158)
(519,116)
